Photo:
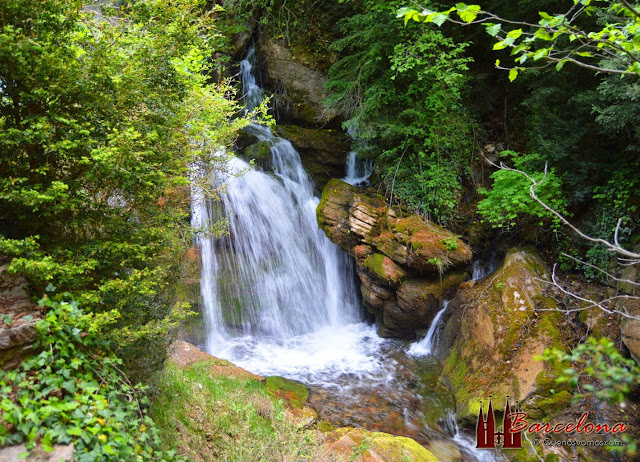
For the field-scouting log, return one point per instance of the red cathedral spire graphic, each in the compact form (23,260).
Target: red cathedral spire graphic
(486,434)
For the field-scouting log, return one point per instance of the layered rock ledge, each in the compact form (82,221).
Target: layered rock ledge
(407,265)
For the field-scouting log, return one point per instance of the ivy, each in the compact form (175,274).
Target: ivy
(73,391)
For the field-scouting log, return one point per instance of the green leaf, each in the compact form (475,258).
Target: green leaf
(560,65)
(513,74)
(469,13)
(515,34)
(493,29)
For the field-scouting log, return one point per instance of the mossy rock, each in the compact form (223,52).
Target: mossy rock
(362,445)
(497,328)
(385,269)
(291,392)
(260,152)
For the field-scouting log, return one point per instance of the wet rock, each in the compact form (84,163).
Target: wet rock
(495,330)
(300,88)
(322,151)
(260,153)
(403,263)
(301,417)
(294,394)
(360,445)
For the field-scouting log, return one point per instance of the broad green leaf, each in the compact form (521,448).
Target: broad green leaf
(515,34)
(493,29)
(470,13)
(513,74)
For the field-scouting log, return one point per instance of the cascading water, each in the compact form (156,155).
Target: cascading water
(428,344)
(357,170)
(280,299)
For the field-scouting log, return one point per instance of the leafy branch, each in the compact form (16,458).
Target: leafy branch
(556,39)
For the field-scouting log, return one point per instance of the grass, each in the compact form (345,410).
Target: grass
(209,418)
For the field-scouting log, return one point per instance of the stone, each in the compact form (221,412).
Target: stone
(322,151)
(390,251)
(496,328)
(631,337)
(300,88)
(360,445)
(385,269)
(301,417)
(183,354)
(294,394)
(18,318)
(260,153)
(60,453)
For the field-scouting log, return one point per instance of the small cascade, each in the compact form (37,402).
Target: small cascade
(428,344)
(357,170)
(481,269)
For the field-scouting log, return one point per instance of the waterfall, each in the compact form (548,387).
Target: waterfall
(481,269)
(275,275)
(427,345)
(280,299)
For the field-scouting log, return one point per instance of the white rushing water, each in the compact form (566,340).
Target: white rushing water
(428,344)
(279,298)
(357,170)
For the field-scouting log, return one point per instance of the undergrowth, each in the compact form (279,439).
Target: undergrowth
(224,418)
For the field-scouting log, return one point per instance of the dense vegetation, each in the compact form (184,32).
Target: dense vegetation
(101,119)
(104,112)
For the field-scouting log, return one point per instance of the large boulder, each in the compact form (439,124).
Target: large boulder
(300,89)
(497,327)
(402,262)
(360,445)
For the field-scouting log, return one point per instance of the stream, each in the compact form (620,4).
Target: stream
(280,299)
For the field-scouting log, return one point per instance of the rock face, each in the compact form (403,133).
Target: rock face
(300,90)
(322,151)
(495,330)
(401,261)
(18,317)
(60,453)
(365,446)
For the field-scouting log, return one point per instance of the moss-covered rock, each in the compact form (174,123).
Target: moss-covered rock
(300,88)
(496,329)
(389,252)
(293,393)
(360,445)
(385,269)
(260,153)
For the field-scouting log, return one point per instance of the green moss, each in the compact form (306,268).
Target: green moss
(554,403)
(293,392)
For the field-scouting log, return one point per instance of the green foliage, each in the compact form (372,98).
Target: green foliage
(451,243)
(600,370)
(509,197)
(73,391)
(102,117)
(402,92)
(556,39)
